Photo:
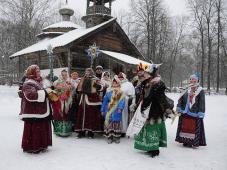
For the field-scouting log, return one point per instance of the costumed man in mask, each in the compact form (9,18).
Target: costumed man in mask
(140,74)
(191,107)
(88,116)
(129,92)
(154,101)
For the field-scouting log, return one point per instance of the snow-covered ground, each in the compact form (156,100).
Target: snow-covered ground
(95,154)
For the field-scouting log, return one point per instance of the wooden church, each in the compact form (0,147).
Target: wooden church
(70,42)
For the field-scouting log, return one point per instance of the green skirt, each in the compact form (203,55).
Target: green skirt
(151,137)
(62,128)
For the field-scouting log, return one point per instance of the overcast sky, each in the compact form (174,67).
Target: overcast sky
(176,7)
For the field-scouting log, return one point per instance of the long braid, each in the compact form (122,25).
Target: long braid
(117,93)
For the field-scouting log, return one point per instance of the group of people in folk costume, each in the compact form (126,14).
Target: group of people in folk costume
(97,104)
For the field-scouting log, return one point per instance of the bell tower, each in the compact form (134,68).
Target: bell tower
(98,11)
(66,12)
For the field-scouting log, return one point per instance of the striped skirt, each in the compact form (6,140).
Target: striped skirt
(113,129)
(191,131)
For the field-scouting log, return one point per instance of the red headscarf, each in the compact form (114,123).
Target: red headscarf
(31,72)
(122,75)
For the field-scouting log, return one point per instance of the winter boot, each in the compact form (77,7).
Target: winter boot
(187,145)
(117,140)
(110,140)
(123,135)
(157,153)
(153,153)
(90,134)
(81,134)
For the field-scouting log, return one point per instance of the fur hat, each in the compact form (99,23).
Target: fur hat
(99,67)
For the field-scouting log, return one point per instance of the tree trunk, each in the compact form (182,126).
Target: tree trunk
(218,47)
(202,59)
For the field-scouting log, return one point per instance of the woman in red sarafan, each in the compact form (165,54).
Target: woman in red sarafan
(35,112)
(61,120)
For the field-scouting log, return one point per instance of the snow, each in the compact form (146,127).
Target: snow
(63,24)
(61,40)
(125,58)
(85,154)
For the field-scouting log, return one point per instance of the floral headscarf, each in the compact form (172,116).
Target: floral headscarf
(31,72)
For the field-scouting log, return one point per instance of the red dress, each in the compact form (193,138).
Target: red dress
(88,116)
(35,112)
(36,136)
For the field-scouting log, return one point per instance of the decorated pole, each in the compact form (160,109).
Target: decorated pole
(93,52)
(3,63)
(50,61)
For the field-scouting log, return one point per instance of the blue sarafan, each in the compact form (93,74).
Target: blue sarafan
(115,112)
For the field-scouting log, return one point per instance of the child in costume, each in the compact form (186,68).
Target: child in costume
(112,107)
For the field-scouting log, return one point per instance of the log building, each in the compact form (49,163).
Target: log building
(70,41)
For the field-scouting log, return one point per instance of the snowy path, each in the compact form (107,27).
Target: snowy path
(84,154)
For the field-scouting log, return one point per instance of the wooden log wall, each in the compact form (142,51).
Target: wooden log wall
(108,39)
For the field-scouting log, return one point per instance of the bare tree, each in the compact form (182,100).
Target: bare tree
(22,21)
(224,59)
(220,12)
(196,7)
(209,13)
(147,16)
(218,6)
(180,26)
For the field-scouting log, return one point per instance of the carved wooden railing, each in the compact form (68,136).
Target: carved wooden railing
(98,9)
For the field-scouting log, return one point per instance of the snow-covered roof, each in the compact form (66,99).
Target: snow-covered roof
(63,24)
(125,58)
(41,45)
(46,33)
(61,40)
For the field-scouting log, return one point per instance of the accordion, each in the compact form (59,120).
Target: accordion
(88,85)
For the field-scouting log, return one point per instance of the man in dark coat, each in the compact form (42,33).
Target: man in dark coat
(88,116)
